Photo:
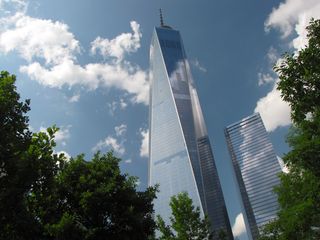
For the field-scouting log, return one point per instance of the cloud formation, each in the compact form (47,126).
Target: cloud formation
(273,110)
(120,130)
(128,161)
(61,136)
(238,227)
(74,98)
(120,45)
(269,77)
(265,78)
(34,38)
(8,7)
(114,105)
(111,143)
(293,16)
(273,55)
(66,155)
(51,50)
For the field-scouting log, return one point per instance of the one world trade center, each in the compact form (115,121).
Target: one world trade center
(180,154)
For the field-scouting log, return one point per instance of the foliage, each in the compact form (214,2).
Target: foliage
(186,222)
(16,172)
(300,86)
(46,196)
(304,139)
(299,191)
(299,215)
(98,202)
(299,76)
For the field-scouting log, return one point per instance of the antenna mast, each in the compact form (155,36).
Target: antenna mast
(161,18)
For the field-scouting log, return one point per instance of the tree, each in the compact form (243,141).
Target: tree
(299,215)
(43,200)
(299,85)
(299,190)
(27,164)
(16,172)
(299,76)
(44,195)
(186,222)
(98,202)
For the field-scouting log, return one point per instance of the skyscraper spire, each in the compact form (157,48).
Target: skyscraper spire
(161,18)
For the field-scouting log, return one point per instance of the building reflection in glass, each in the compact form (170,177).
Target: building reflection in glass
(256,168)
(180,155)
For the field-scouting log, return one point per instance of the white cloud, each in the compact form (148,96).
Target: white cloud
(8,7)
(74,98)
(197,64)
(39,38)
(270,76)
(124,76)
(144,148)
(294,15)
(272,55)
(67,155)
(284,168)
(119,46)
(291,16)
(238,227)
(61,136)
(114,105)
(123,103)
(128,160)
(265,78)
(113,143)
(120,130)
(42,40)
(110,142)
(273,110)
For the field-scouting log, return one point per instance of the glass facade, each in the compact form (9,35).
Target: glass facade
(256,167)
(180,155)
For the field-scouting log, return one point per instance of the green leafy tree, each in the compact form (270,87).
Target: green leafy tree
(98,202)
(16,172)
(186,222)
(44,195)
(299,191)
(299,85)
(43,200)
(299,214)
(299,76)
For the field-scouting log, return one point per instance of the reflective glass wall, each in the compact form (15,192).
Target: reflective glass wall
(169,164)
(256,168)
(180,153)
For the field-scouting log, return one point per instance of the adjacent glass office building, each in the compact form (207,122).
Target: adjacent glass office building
(180,155)
(256,167)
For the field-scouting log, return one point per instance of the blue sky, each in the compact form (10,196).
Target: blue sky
(84,65)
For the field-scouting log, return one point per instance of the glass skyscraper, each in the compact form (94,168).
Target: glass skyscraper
(256,168)
(180,155)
